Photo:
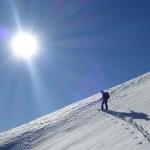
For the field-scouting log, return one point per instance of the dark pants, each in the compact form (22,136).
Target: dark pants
(104,102)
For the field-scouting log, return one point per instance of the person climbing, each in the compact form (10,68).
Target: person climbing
(104,99)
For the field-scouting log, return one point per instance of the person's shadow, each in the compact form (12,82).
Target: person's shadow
(131,115)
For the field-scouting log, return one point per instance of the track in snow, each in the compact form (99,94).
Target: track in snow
(133,115)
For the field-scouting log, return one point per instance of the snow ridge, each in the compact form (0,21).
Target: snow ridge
(82,125)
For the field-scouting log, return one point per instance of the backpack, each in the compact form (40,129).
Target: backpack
(106,95)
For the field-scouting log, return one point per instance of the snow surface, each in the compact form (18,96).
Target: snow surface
(82,126)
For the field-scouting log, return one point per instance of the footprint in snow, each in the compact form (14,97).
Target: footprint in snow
(140,143)
(132,132)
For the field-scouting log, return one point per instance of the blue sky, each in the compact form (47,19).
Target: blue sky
(85,46)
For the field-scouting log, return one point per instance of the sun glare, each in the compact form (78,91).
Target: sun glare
(24,45)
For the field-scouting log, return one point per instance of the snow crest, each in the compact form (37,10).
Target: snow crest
(82,125)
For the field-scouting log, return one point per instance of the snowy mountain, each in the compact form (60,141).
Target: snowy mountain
(82,126)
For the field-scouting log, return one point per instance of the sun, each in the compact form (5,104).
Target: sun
(24,45)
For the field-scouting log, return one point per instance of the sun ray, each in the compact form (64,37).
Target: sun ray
(16,15)
(38,87)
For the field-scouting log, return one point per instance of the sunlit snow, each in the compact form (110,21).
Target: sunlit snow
(82,126)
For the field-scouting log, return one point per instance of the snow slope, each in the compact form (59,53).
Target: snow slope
(82,126)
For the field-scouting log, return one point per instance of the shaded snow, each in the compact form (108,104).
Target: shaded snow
(82,126)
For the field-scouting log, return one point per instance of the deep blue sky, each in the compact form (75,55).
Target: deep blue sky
(86,46)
